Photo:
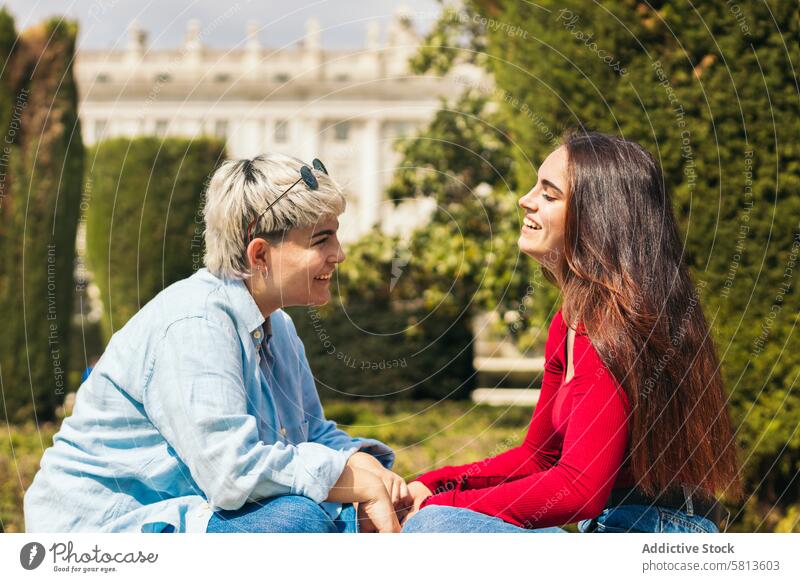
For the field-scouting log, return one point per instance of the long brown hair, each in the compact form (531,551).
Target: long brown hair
(623,278)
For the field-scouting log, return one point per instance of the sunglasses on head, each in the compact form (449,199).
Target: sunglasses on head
(306,176)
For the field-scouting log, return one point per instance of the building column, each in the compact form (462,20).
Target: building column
(370,178)
(309,135)
(250,137)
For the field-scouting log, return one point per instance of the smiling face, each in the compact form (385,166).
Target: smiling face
(545,211)
(297,270)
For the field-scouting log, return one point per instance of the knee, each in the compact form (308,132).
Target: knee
(297,514)
(431,519)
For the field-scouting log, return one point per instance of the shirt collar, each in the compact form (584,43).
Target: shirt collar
(245,309)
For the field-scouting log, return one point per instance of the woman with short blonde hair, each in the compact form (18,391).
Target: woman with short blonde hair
(202,414)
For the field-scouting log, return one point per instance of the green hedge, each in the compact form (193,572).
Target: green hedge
(42,164)
(144,224)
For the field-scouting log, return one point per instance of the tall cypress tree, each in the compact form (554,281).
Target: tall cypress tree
(144,227)
(43,152)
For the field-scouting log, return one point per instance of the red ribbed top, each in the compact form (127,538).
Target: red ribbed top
(572,455)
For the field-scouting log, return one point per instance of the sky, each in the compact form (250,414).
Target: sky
(104,23)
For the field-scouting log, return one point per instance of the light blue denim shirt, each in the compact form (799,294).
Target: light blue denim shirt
(178,418)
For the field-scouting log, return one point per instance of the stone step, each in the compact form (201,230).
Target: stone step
(508,365)
(506,396)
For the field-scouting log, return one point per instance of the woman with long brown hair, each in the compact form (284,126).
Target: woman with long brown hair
(631,432)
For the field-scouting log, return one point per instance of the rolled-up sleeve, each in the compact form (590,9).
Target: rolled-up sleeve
(196,398)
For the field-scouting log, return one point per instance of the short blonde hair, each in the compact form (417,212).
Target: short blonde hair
(240,190)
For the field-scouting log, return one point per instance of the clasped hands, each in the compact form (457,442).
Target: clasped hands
(383,500)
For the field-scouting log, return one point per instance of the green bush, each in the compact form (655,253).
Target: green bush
(144,224)
(41,166)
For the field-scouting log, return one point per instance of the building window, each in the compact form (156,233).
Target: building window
(103,78)
(222,77)
(163,78)
(341,131)
(100,126)
(161,127)
(221,128)
(281,131)
(281,77)
(342,78)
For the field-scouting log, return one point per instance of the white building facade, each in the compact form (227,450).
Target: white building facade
(346,107)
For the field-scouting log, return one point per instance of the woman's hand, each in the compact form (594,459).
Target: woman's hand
(419,493)
(394,483)
(398,492)
(357,485)
(377,516)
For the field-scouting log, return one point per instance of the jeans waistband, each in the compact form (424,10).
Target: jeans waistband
(682,500)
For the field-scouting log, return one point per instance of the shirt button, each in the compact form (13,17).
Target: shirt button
(257,334)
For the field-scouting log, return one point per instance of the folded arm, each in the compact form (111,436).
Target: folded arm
(579,484)
(196,398)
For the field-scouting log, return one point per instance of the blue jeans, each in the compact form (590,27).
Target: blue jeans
(628,518)
(442,519)
(286,514)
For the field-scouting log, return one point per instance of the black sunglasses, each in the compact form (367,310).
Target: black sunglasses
(306,176)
